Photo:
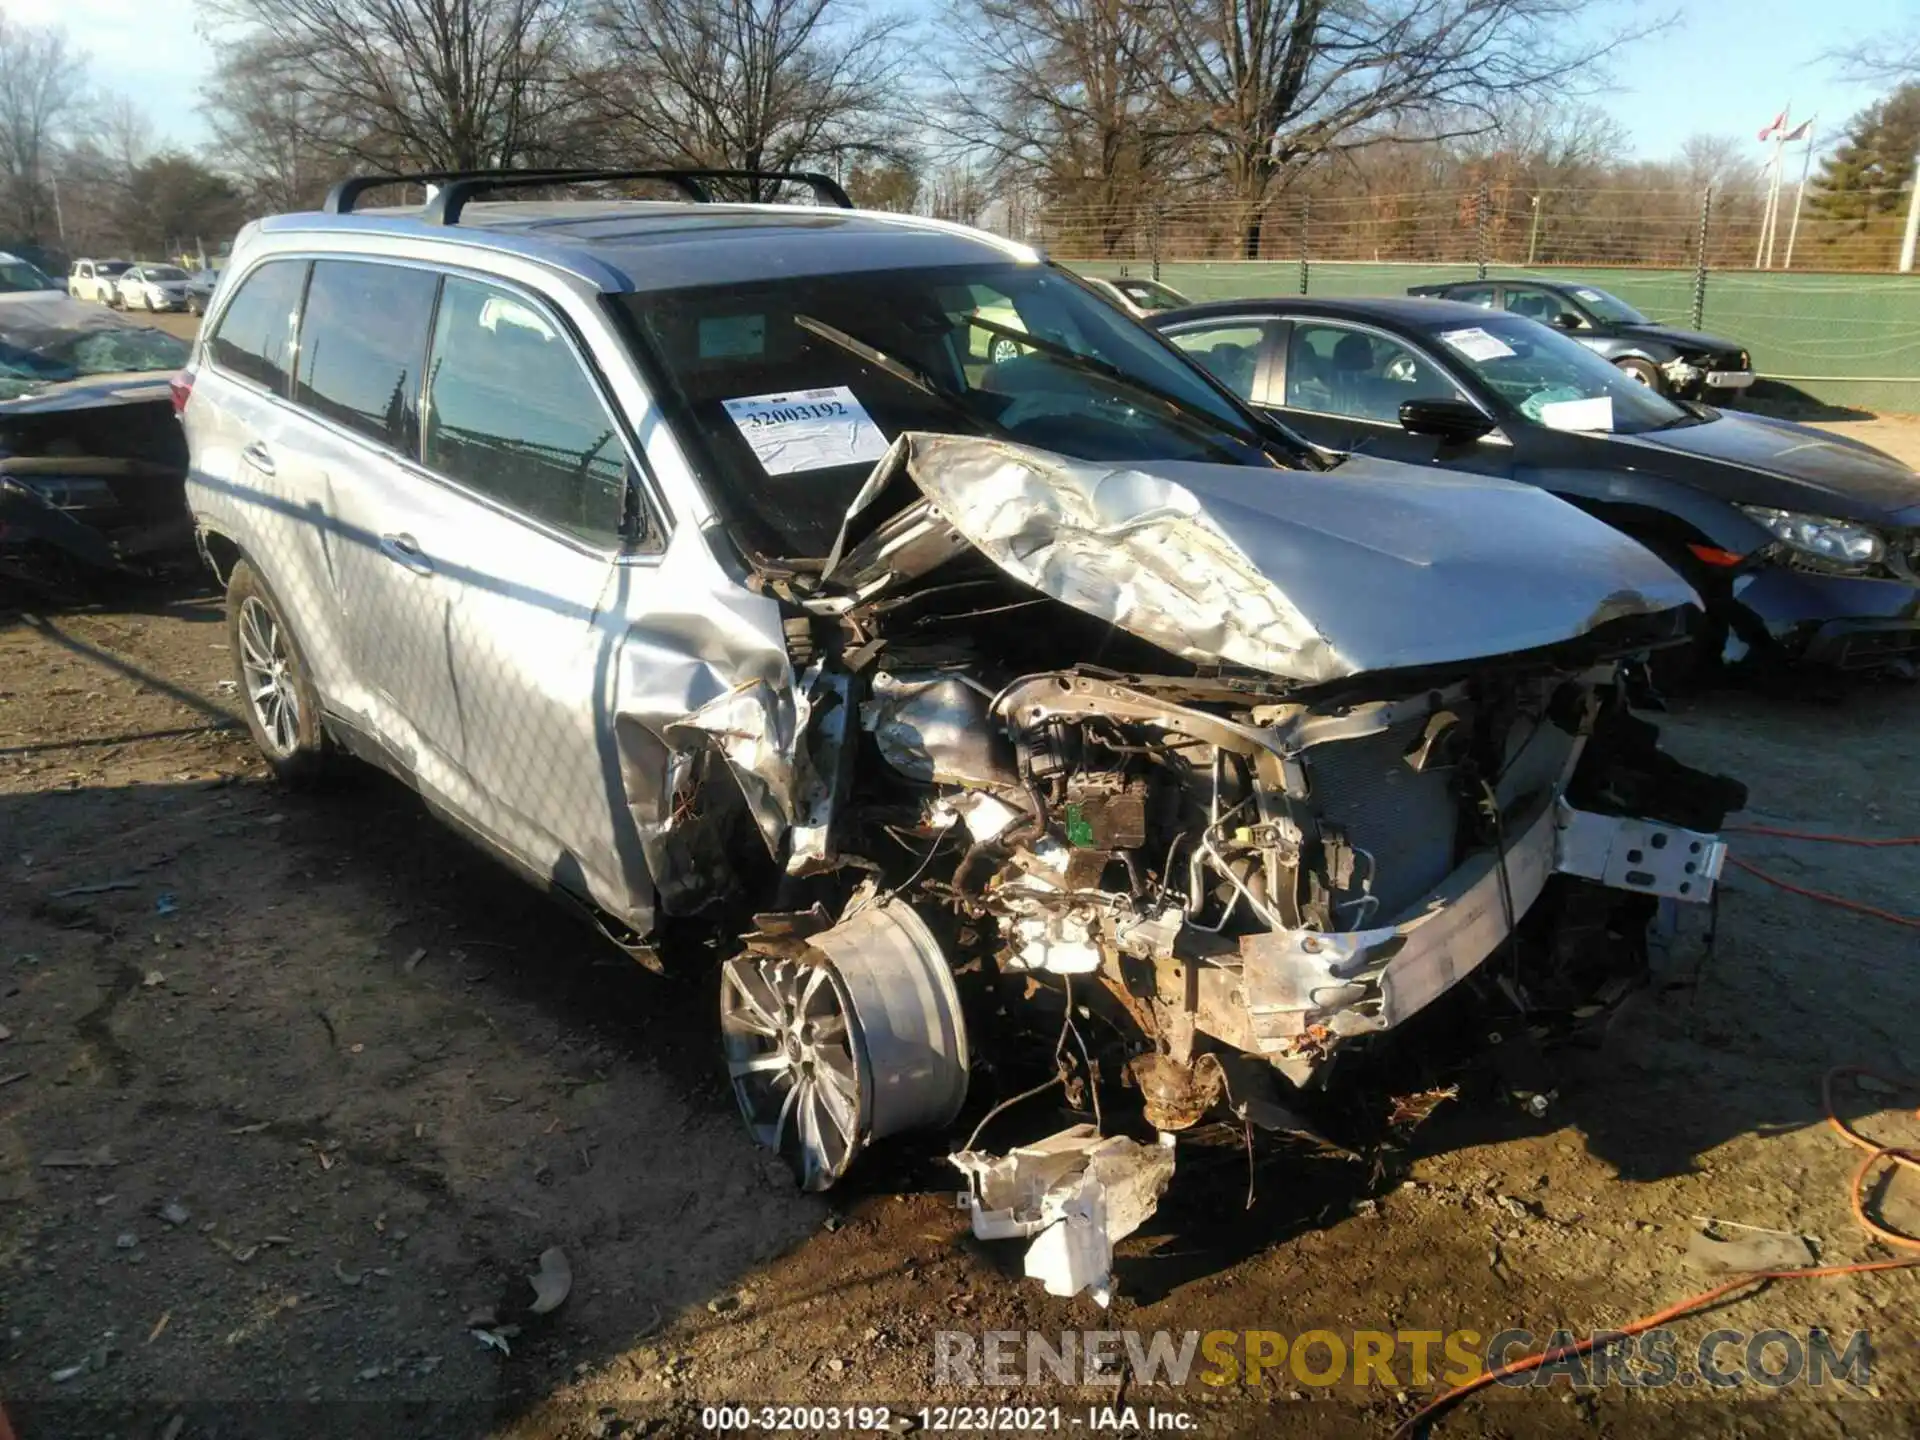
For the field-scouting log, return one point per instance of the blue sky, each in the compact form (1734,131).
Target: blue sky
(1725,68)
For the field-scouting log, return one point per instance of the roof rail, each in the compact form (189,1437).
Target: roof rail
(445,207)
(342,198)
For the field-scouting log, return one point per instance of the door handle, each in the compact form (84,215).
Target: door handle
(405,550)
(258,456)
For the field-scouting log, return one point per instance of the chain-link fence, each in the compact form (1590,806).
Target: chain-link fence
(1815,300)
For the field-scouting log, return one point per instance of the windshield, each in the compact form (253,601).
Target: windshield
(1555,381)
(1610,308)
(788,420)
(17,274)
(111,267)
(164,272)
(45,342)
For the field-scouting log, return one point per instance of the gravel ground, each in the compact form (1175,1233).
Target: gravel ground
(294,1093)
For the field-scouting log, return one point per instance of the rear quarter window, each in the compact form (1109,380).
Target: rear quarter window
(255,335)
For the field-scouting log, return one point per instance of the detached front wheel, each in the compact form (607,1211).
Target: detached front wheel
(276,688)
(846,1038)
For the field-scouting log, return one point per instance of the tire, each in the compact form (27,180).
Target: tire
(195,305)
(1002,350)
(285,724)
(1642,372)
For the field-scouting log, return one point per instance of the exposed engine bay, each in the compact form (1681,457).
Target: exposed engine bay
(1065,787)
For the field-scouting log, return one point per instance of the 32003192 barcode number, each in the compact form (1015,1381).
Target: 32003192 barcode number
(796,1417)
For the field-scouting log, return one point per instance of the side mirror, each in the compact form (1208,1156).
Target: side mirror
(1444,419)
(1566,320)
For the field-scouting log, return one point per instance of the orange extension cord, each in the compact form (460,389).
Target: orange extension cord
(1876,1156)
(1858,907)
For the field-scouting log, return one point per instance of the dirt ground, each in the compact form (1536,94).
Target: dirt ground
(294,1092)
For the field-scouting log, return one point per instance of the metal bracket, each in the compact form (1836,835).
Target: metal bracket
(1627,853)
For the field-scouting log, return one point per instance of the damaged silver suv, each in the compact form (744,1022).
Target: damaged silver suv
(869,585)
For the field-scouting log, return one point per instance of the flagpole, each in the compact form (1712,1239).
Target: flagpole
(1766,213)
(1806,164)
(1779,174)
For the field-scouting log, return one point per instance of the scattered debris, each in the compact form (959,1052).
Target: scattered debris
(349,1278)
(98,888)
(153,978)
(497,1338)
(174,1213)
(98,1158)
(171,1430)
(1075,1194)
(167,903)
(1756,1251)
(254,1129)
(70,1372)
(126,1240)
(159,1326)
(412,961)
(5,1033)
(553,1283)
(1410,1111)
(6,1080)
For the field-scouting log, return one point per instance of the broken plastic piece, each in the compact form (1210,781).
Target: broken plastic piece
(1076,1194)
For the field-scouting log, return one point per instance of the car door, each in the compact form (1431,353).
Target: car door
(81,281)
(362,352)
(542,582)
(1341,384)
(1236,350)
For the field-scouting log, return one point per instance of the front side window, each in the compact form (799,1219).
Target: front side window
(1543,305)
(255,333)
(511,412)
(1229,352)
(1554,380)
(787,416)
(363,338)
(1334,370)
(1610,308)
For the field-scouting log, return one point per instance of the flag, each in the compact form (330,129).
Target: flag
(1779,124)
(1799,132)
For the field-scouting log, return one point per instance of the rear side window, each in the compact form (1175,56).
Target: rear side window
(363,337)
(255,335)
(512,413)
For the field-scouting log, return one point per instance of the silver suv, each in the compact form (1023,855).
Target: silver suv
(870,585)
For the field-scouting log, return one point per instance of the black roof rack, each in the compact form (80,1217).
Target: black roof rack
(458,187)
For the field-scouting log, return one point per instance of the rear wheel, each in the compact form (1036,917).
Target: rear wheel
(1643,372)
(276,688)
(1002,350)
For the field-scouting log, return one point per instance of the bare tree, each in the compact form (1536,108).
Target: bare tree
(282,140)
(447,84)
(1891,58)
(42,86)
(1063,96)
(748,84)
(1267,85)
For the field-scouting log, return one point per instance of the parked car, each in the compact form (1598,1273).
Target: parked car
(1805,545)
(18,274)
(152,287)
(200,290)
(92,458)
(1665,358)
(688,558)
(1136,296)
(96,279)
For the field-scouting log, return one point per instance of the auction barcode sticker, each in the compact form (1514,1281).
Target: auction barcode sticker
(807,429)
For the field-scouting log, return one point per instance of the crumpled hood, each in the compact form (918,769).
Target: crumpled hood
(1308,575)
